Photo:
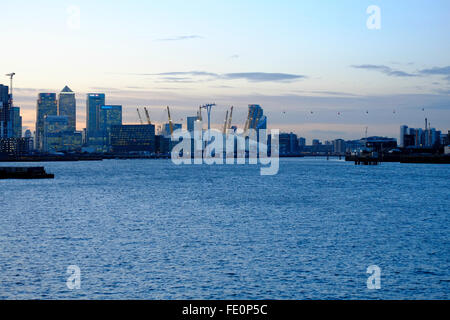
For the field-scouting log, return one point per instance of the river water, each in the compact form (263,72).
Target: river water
(147,229)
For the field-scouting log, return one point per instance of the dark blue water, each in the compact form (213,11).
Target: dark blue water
(147,229)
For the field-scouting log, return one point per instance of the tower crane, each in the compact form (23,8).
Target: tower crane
(208,108)
(225,124)
(199,113)
(11,76)
(147,115)
(230,118)
(247,122)
(170,121)
(139,114)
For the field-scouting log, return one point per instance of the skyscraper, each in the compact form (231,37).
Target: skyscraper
(288,143)
(4,111)
(190,121)
(257,120)
(29,138)
(67,107)
(339,146)
(301,142)
(54,129)
(16,121)
(403,132)
(93,103)
(46,106)
(109,116)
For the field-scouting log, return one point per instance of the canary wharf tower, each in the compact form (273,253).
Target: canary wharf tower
(67,107)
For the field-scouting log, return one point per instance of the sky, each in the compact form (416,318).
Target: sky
(315,67)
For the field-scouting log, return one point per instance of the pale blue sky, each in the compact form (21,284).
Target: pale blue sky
(292,57)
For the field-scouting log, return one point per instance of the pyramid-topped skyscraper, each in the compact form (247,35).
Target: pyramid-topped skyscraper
(67,107)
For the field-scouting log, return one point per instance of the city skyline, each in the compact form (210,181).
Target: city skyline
(159,116)
(321,58)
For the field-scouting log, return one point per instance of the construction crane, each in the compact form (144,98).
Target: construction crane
(139,114)
(170,121)
(247,122)
(11,75)
(230,118)
(208,108)
(199,114)
(225,124)
(147,115)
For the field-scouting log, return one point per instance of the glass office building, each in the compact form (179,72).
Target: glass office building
(133,138)
(257,119)
(4,111)
(46,106)
(67,106)
(109,116)
(93,104)
(16,121)
(58,135)
(54,129)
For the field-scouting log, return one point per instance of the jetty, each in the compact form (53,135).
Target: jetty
(401,158)
(24,173)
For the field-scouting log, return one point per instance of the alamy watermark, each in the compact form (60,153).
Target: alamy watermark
(74,17)
(234,147)
(374,280)
(374,20)
(74,280)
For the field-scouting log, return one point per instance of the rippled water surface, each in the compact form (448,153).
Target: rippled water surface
(147,229)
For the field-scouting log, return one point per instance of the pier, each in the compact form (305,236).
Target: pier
(426,159)
(360,160)
(24,173)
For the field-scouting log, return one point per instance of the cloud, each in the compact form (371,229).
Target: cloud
(234,56)
(384,69)
(333,93)
(180,38)
(107,89)
(263,76)
(177,79)
(434,71)
(189,73)
(443,91)
(210,76)
(440,71)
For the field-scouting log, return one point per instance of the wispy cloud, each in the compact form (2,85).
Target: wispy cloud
(440,71)
(264,76)
(434,71)
(443,91)
(334,93)
(189,73)
(384,69)
(180,38)
(210,76)
(177,79)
